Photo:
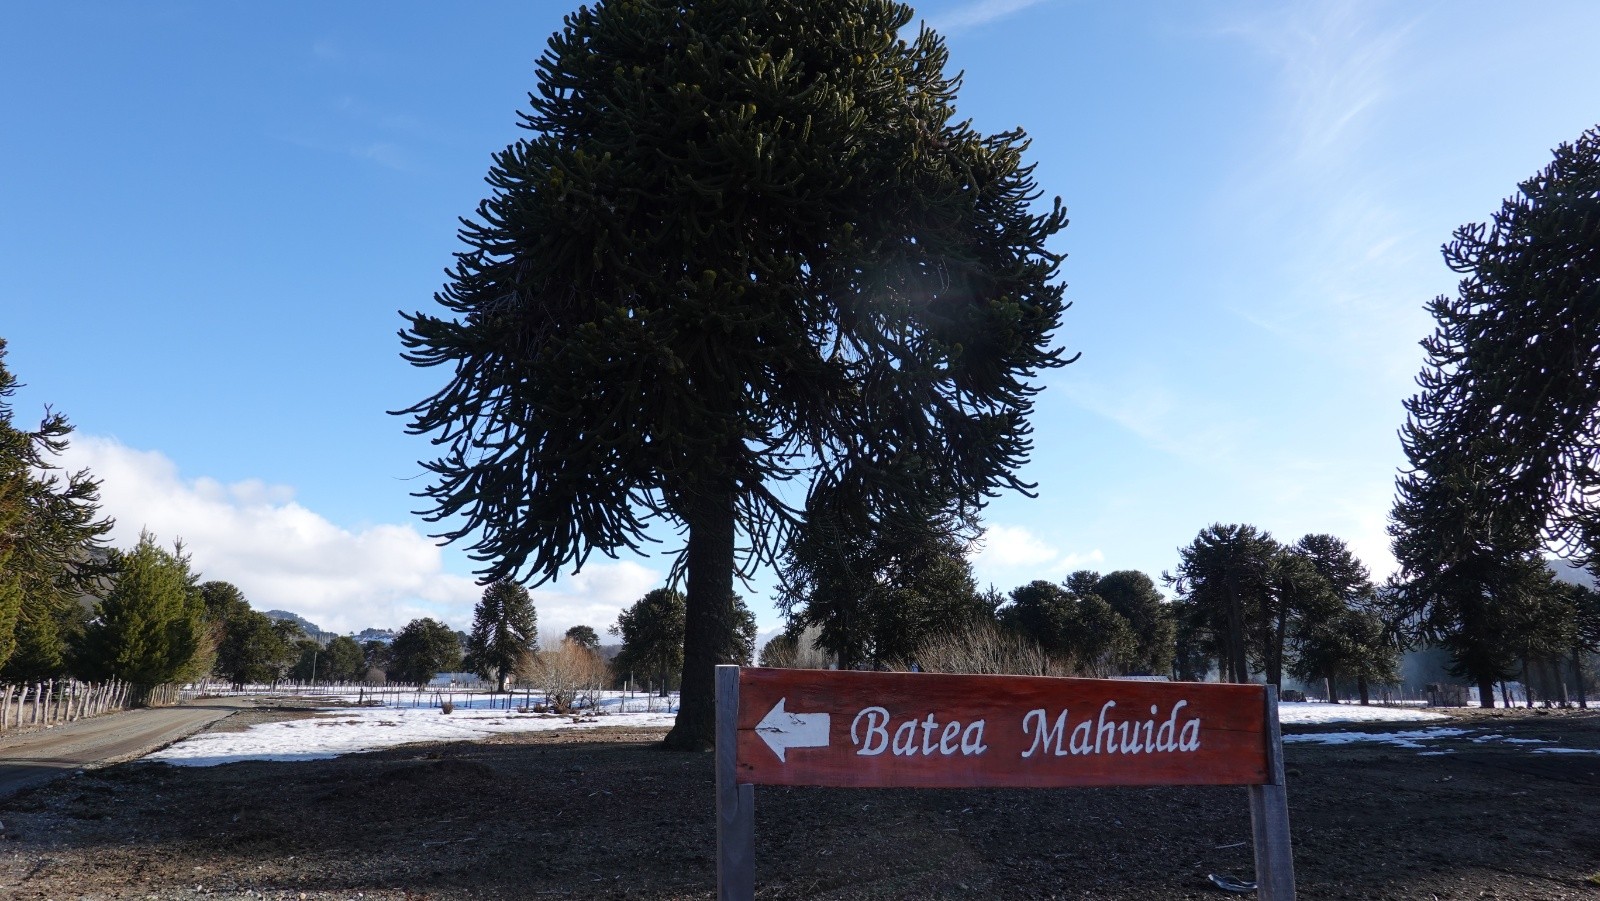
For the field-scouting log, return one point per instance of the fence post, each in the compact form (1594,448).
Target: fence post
(736,821)
(1269,817)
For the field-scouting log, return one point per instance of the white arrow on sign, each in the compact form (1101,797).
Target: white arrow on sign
(782,730)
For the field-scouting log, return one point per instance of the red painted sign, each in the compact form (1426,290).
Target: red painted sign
(852,729)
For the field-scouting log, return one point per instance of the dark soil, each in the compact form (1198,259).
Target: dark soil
(602,813)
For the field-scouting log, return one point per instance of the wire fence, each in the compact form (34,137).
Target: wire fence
(479,696)
(40,705)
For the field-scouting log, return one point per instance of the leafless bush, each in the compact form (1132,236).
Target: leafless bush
(570,675)
(985,648)
(802,652)
(446,707)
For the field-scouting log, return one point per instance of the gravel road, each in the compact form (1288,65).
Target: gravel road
(32,758)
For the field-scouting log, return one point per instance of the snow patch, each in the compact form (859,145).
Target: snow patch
(332,733)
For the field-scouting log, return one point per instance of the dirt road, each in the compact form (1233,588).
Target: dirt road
(31,758)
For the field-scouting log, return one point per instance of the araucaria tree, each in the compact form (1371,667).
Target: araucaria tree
(652,638)
(1225,581)
(50,531)
(745,241)
(504,628)
(1501,438)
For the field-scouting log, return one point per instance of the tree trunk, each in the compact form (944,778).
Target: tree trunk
(1236,657)
(708,617)
(1577,676)
(1361,686)
(1332,685)
(1527,690)
(1275,652)
(1486,691)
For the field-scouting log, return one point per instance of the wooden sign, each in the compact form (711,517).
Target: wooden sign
(924,730)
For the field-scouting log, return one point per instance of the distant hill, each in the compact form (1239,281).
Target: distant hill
(384,635)
(313,631)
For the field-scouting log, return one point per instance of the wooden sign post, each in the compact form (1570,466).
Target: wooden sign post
(925,730)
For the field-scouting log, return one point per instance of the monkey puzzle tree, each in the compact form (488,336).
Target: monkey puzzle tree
(1133,595)
(1226,577)
(1512,381)
(504,628)
(49,527)
(876,589)
(585,636)
(745,241)
(1501,438)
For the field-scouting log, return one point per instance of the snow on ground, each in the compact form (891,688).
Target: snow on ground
(331,733)
(1398,739)
(1311,713)
(415,717)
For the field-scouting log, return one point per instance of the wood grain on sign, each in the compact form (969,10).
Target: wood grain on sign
(854,729)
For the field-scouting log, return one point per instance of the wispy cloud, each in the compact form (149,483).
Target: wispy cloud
(976,14)
(1324,194)
(1187,427)
(285,556)
(381,153)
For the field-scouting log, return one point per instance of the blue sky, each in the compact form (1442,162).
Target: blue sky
(210,214)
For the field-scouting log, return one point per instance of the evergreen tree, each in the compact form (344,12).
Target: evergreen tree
(1511,387)
(310,664)
(745,241)
(1044,613)
(875,590)
(1196,645)
(1351,633)
(1134,597)
(1297,593)
(49,535)
(254,650)
(223,601)
(422,650)
(1226,576)
(1586,639)
(585,636)
(1500,437)
(377,655)
(149,628)
(1072,624)
(504,628)
(652,638)
(345,660)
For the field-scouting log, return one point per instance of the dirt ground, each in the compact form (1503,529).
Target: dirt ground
(603,814)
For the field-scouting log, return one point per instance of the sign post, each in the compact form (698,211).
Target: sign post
(924,730)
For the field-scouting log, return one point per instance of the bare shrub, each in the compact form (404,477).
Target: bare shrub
(797,652)
(447,707)
(570,675)
(983,648)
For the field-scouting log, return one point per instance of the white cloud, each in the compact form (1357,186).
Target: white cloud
(975,14)
(1005,547)
(284,556)
(1012,546)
